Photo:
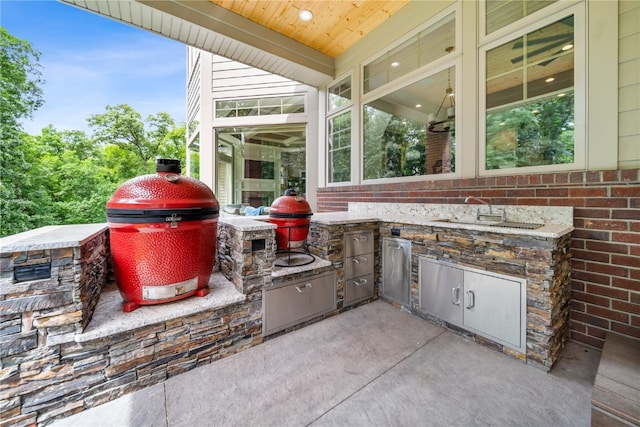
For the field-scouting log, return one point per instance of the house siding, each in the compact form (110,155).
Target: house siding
(629,85)
(605,244)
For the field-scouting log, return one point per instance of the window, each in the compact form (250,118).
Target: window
(260,106)
(421,49)
(339,105)
(500,13)
(256,164)
(411,131)
(529,106)
(339,131)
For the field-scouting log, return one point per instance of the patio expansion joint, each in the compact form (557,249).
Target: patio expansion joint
(429,341)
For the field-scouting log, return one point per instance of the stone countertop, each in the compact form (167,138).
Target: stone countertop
(251,223)
(109,319)
(51,237)
(336,218)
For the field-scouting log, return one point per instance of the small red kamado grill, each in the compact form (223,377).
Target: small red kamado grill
(163,229)
(292,214)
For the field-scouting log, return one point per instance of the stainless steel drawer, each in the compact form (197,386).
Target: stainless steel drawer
(358,289)
(300,301)
(358,266)
(358,243)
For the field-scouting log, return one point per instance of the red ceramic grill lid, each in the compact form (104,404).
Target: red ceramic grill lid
(153,198)
(290,206)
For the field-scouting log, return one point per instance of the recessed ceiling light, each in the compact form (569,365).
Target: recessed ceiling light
(305,15)
(395,64)
(567,47)
(418,105)
(560,95)
(550,79)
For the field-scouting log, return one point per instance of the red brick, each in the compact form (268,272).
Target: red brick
(592,213)
(608,314)
(617,248)
(626,191)
(494,193)
(533,202)
(521,192)
(569,202)
(608,291)
(634,298)
(575,326)
(577,243)
(591,277)
(626,214)
(588,192)
(578,265)
(578,306)
(607,269)
(626,237)
(552,192)
(635,321)
(585,339)
(576,177)
(590,255)
(548,178)
(582,233)
(625,329)
(606,225)
(596,332)
(630,175)
(591,320)
(627,307)
(634,250)
(630,261)
(593,176)
(590,299)
(562,178)
(634,274)
(611,175)
(608,202)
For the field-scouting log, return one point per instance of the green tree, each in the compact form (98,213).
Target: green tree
(20,97)
(157,135)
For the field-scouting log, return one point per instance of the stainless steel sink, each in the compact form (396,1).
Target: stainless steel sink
(505,224)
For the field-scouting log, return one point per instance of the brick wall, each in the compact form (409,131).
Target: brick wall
(606,242)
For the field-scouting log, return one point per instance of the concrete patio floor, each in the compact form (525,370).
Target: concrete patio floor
(371,366)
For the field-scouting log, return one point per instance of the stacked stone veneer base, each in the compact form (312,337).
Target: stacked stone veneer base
(544,262)
(326,241)
(52,365)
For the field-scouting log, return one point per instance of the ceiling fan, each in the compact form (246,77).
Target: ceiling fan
(549,42)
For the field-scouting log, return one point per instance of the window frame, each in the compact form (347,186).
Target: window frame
(331,113)
(453,59)
(517,29)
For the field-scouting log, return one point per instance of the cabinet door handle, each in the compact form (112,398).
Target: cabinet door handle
(358,238)
(471,299)
(455,295)
(360,282)
(358,261)
(304,288)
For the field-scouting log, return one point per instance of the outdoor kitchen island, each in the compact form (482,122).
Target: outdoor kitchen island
(68,346)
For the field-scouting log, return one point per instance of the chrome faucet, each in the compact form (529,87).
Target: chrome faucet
(479,216)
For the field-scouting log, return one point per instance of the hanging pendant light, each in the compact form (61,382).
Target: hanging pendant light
(450,110)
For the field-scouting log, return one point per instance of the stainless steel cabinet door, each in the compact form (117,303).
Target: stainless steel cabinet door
(441,288)
(396,269)
(493,307)
(292,304)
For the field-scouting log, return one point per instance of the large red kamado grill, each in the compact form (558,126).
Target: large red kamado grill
(292,215)
(163,230)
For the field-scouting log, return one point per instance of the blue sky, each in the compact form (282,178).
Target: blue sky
(89,61)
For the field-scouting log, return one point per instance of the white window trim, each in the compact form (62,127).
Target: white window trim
(527,25)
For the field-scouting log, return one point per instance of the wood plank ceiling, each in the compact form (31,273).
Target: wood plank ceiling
(336,25)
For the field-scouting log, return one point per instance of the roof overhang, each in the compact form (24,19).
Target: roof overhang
(212,28)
